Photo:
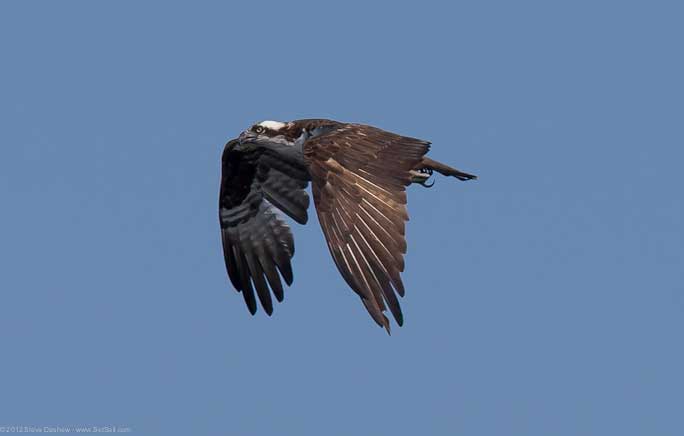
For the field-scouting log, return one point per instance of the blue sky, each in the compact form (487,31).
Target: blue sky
(544,299)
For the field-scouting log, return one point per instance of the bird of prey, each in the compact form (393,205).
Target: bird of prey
(359,176)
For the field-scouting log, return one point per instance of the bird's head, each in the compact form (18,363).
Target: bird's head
(270,132)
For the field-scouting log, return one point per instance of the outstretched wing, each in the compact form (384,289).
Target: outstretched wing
(359,177)
(257,243)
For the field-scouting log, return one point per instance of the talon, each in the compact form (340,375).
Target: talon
(421,177)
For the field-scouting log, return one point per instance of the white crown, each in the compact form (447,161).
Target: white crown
(273,125)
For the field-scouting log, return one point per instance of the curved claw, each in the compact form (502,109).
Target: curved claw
(425,184)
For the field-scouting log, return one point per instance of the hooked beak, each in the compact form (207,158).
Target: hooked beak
(246,136)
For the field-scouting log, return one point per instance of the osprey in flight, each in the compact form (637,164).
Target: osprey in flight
(358,175)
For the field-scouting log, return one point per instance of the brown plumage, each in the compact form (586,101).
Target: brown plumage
(359,176)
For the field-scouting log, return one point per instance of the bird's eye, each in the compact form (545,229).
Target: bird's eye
(259,129)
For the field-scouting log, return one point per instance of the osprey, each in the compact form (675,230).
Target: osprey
(358,174)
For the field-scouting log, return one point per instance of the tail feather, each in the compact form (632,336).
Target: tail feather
(443,169)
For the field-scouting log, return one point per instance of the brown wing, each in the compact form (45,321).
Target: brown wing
(257,243)
(359,177)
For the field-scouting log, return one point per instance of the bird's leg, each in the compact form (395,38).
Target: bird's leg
(421,177)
